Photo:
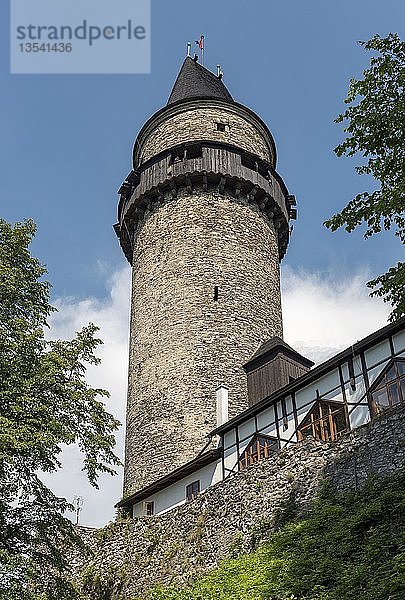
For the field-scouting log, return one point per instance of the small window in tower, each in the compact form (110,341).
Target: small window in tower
(220,126)
(216,293)
(149,509)
(194,151)
(193,491)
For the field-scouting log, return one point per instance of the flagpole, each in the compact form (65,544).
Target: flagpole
(202,49)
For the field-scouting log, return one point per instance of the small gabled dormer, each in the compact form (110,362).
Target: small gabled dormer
(274,365)
(326,421)
(388,390)
(261,446)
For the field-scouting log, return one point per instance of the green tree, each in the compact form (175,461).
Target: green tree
(45,403)
(376,129)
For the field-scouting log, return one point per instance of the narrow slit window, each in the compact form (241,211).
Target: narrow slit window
(220,126)
(216,293)
(149,509)
(352,379)
(284,411)
(193,491)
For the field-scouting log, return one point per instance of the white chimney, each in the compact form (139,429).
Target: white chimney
(222,405)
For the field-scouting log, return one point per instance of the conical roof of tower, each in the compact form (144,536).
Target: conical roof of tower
(195,81)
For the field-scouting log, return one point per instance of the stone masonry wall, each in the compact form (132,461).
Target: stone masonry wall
(184,344)
(229,517)
(201,124)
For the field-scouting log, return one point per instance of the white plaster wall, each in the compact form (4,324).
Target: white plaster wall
(360,415)
(230,459)
(377,353)
(175,494)
(246,429)
(399,342)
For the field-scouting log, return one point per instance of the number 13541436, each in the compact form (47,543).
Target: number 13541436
(35,47)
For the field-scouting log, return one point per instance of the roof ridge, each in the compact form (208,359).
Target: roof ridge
(271,345)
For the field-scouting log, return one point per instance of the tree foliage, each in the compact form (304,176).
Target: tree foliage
(375,128)
(350,546)
(45,403)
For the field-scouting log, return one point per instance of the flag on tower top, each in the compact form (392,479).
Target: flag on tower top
(200,42)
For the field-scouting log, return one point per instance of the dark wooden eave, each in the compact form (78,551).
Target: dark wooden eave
(357,348)
(272,348)
(193,465)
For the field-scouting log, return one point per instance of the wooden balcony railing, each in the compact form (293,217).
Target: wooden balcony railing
(203,164)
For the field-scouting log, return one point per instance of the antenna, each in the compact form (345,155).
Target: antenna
(188,48)
(78,504)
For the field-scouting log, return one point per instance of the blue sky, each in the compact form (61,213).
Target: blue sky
(67,144)
(67,140)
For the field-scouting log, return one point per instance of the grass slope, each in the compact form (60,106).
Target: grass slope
(345,548)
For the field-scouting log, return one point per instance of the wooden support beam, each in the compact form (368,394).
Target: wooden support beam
(189,184)
(332,426)
(313,426)
(173,188)
(253,193)
(221,185)
(324,436)
(204,181)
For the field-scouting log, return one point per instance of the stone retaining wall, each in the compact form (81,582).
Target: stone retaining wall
(232,515)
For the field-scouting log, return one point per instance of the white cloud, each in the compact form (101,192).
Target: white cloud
(323,313)
(112,316)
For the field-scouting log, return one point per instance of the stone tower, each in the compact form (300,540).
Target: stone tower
(203,220)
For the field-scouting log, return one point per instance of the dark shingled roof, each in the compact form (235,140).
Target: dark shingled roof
(195,81)
(275,345)
(271,344)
